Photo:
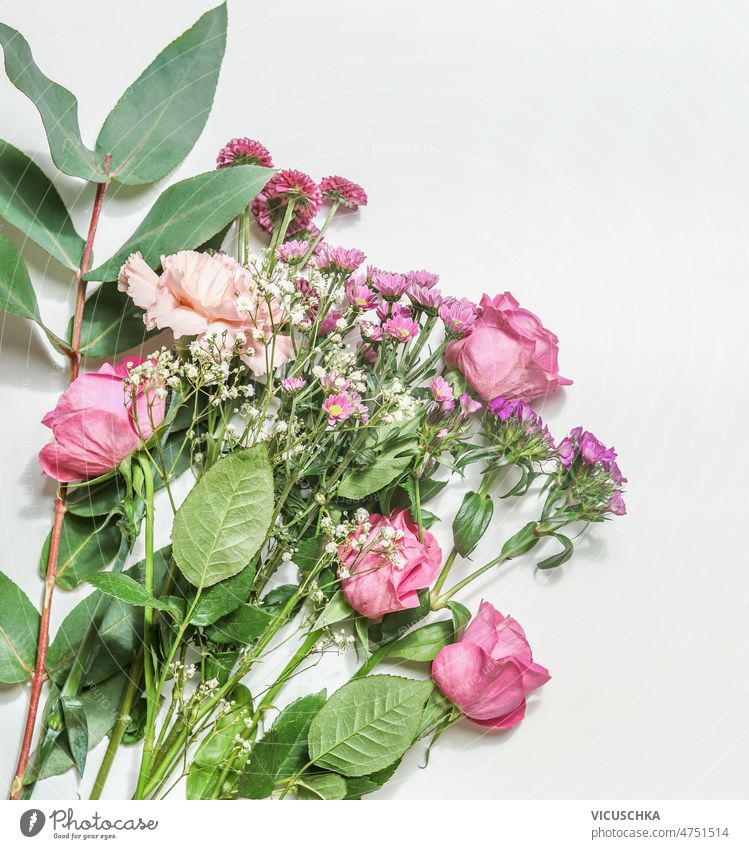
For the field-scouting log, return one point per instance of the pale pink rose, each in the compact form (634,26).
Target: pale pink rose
(94,424)
(199,293)
(509,353)
(386,575)
(488,673)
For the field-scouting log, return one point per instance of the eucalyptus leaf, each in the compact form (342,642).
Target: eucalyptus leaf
(86,546)
(159,118)
(30,202)
(19,631)
(282,751)
(57,107)
(111,324)
(368,724)
(187,214)
(223,521)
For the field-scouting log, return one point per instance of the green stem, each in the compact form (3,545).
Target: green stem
(445,572)
(442,600)
(318,238)
(417,508)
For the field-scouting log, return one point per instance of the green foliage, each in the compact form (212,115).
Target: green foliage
(334,611)
(568,549)
(282,751)
(19,630)
(368,724)
(57,107)
(223,521)
(76,731)
(30,202)
(363,784)
(86,546)
(99,499)
(127,589)
(16,292)
(224,597)
(471,521)
(424,643)
(392,625)
(322,785)
(111,324)
(187,214)
(395,449)
(243,626)
(158,119)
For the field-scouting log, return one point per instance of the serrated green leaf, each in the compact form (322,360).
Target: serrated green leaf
(424,643)
(224,598)
(19,631)
(364,784)
(97,500)
(159,118)
(30,202)
(111,324)
(86,546)
(223,521)
(242,626)
(57,107)
(394,455)
(323,785)
(367,724)
(282,751)
(187,214)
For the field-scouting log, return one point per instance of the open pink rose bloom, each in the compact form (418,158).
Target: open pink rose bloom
(509,353)
(490,670)
(94,424)
(382,583)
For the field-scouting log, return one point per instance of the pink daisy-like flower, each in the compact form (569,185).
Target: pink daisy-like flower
(293,384)
(401,328)
(339,260)
(468,405)
(293,251)
(458,316)
(269,207)
(386,310)
(390,286)
(429,300)
(422,278)
(338,408)
(344,191)
(360,295)
(334,381)
(371,331)
(361,411)
(442,393)
(243,152)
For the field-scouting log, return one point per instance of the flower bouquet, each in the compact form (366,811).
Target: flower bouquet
(316,405)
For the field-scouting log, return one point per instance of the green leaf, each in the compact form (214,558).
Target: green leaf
(471,521)
(568,549)
(395,453)
(187,214)
(30,202)
(76,730)
(19,630)
(436,710)
(278,597)
(101,706)
(123,587)
(86,546)
(363,784)
(97,500)
(223,521)
(243,626)
(424,643)
(282,751)
(323,785)
(57,107)
(111,324)
(159,118)
(335,610)
(521,542)
(224,598)
(16,292)
(461,617)
(392,625)
(367,724)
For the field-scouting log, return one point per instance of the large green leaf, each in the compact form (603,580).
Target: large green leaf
(360,786)
(394,454)
(187,214)
(322,785)
(424,643)
(243,626)
(111,324)
(86,546)
(471,521)
(223,521)
(283,750)
(57,107)
(16,292)
(19,629)
(159,118)
(367,724)
(126,589)
(224,598)
(30,202)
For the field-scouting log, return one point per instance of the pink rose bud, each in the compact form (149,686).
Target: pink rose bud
(488,673)
(94,424)
(389,565)
(509,353)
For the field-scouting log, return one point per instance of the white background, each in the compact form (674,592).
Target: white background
(590,157)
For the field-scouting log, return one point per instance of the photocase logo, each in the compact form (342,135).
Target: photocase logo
(32,822)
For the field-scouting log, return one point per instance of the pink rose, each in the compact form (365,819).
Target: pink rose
(199,293)
(509,353)
(490,670)
(390,566)
(94,426)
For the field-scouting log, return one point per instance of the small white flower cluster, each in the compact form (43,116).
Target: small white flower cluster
(398,405)
(181,672)
(207,688)
(210,366)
